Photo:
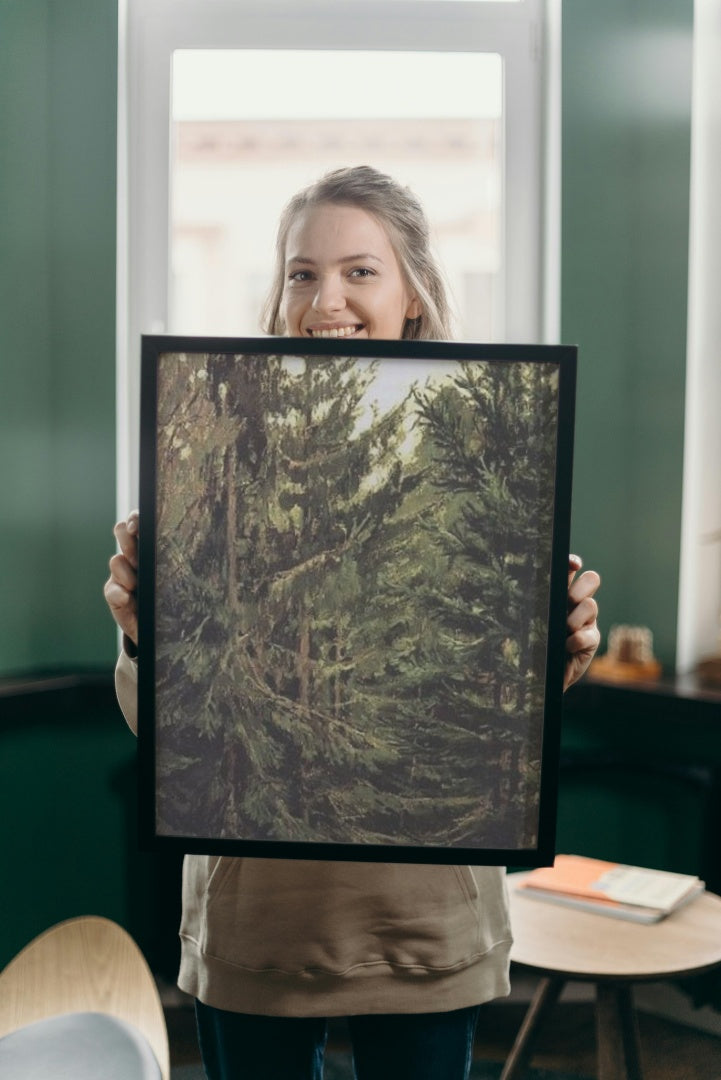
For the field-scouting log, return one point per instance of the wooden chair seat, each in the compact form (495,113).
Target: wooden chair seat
(84,965)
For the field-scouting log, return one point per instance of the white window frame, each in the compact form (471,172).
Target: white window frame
(526,34)
(699,596)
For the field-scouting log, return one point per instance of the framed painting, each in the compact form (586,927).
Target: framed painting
(352,597)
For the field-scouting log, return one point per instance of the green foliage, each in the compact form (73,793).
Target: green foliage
(350,617)
(493,433)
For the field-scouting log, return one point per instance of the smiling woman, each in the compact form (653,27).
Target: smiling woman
(353,259)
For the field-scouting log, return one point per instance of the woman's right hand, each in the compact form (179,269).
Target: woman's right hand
(121,587)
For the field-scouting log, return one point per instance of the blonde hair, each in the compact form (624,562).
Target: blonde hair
(403,217)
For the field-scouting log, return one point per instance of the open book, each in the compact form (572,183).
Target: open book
(608,888)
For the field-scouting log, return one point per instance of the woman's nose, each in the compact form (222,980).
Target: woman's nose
(329,295)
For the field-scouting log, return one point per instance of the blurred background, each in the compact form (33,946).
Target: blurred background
(67,767)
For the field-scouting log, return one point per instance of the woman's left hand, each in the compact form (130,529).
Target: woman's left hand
(583,635)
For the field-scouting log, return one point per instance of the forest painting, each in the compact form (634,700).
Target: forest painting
(352,564)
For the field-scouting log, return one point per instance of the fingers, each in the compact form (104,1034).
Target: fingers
(580,614)
(583,587)
(581,646)
(121,601)
(583,636)
(123,574)
(582,607)
(575,562)
(123,607)
(584,641)
(121,587)
(126,534)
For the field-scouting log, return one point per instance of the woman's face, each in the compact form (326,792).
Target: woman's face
(342,277)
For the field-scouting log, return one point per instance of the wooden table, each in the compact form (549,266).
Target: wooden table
(563,944)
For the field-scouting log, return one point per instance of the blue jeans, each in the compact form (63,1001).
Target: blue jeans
(417,1046)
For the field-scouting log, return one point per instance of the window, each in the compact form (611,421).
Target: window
(227,107)
(235,161)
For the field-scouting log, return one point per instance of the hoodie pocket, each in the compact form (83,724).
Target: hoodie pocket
(468,884)
(293,916)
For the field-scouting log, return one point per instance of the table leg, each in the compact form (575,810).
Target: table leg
(617,1033)
(545,997)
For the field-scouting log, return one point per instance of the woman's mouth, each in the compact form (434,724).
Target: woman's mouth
(334,331)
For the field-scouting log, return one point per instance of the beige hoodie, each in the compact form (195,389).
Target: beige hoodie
(285,937)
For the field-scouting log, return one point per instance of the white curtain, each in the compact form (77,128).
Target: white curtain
(700,581)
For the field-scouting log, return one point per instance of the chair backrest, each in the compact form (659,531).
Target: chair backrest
(88,964)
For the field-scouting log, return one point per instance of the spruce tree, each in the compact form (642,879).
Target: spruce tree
(493,437)
(282,489)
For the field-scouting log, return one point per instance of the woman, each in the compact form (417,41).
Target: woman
(271,948)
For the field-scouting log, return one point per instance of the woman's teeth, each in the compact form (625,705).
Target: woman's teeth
(337,331)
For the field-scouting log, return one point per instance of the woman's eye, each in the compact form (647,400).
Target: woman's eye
(362,272)
(300,276)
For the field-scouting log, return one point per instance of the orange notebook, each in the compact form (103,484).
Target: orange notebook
(631,892)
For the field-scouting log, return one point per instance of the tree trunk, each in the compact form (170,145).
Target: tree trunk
(231,526)
(304,658)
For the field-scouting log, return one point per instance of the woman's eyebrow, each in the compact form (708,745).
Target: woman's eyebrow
(361,257)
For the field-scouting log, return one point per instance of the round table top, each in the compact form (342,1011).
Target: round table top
(559,940)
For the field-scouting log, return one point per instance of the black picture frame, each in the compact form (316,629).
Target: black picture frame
(355,649)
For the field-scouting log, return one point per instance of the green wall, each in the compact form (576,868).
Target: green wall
(67,774)
(58,72)
(625,200)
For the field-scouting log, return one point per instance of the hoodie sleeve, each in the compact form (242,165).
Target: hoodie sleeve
(126,688)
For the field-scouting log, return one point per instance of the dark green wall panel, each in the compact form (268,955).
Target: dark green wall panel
(626,145)
(58,77)
(25,390)
(63,787)
(68,801)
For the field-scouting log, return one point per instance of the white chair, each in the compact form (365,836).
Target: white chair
(80,1002)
